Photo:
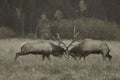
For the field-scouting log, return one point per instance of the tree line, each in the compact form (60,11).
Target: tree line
(37,17)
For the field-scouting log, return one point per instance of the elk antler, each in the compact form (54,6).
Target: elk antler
(75,34)
(60,40)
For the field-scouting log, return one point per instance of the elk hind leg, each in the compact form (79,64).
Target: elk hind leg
(20,54)
(43,59)
(17,55)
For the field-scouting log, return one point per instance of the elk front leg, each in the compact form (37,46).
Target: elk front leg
(43,59)
(104,56)
(48,57)
(109,57)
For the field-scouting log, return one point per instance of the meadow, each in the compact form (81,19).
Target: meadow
(30,67)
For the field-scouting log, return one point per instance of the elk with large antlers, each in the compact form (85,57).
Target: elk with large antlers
(42,48)
(89,46)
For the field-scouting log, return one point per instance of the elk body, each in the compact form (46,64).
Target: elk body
(89,46)
(45,49)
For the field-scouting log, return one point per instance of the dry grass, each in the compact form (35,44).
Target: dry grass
(31,68)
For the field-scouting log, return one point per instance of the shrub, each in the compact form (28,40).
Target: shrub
(30,35)
(88,28)
(58,15)
(6,32)
(45,32)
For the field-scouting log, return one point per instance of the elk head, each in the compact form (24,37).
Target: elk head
(75,35)
(66,47)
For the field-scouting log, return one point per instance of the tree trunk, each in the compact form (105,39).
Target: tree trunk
(22,25)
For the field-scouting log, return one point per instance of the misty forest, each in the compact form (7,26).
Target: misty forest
(96,19)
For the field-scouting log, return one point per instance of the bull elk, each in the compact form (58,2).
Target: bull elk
(87,47)
(90,46)
(42,48)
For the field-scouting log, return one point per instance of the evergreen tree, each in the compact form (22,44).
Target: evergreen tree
(82,7)
(58,15)
(45,32)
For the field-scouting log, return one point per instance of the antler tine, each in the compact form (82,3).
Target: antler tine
(75,34)
(53,38)
(60,41)
(74,30)
(58,36)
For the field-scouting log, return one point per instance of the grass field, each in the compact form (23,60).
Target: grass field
(30,67)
